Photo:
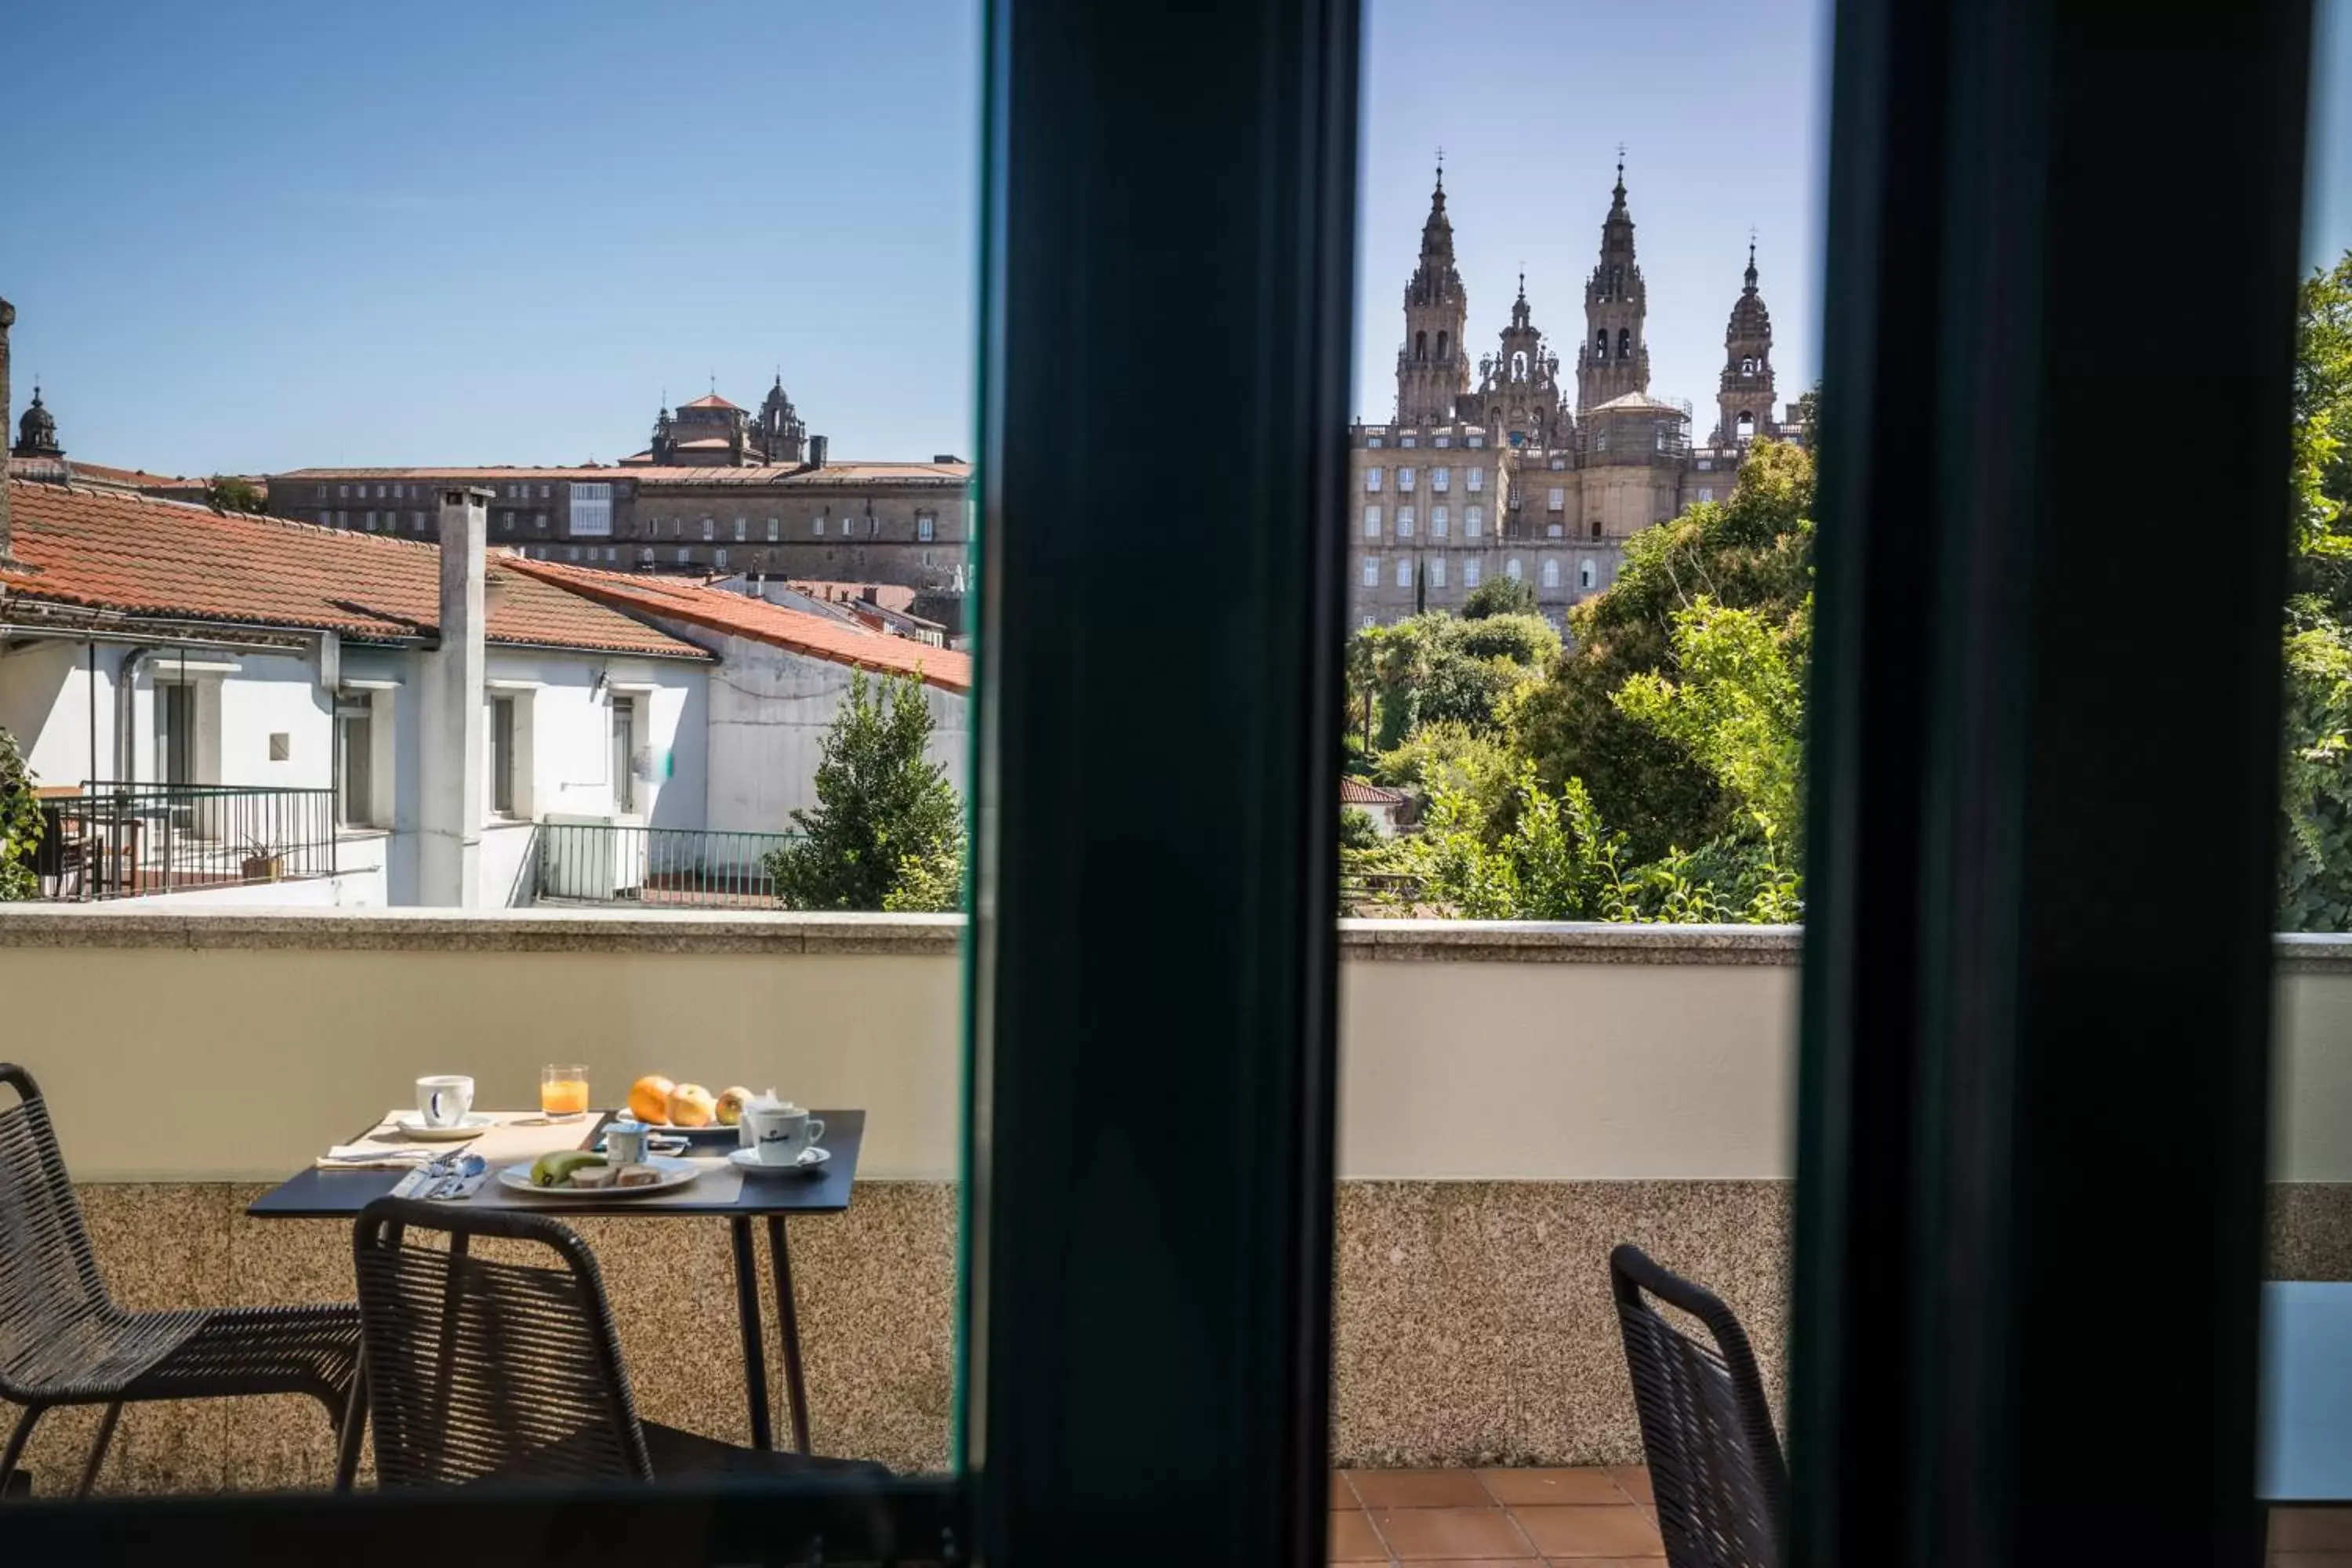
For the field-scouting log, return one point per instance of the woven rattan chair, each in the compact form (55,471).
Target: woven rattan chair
(63,1341)
(493,1370)
(1714,1461)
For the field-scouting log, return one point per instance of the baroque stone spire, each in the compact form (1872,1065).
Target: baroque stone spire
(1615,357)
(1744,395)
(1432,367)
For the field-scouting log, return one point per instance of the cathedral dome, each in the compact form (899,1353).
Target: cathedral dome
(36,431)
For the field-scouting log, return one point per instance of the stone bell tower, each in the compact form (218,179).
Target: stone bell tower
(1615,359)
(1744,395)
(1432,367)
(7,320)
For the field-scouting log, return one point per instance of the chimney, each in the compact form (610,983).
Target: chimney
(7,320)
(449,849)
(817,452)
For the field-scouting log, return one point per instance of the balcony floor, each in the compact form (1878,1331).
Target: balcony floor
(1599,1518)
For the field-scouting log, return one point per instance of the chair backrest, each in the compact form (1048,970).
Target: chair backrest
(52,1294)
(1715,1460)
(481,1368)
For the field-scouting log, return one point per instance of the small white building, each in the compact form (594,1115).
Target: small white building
(210,692)
(781,678)
(1385,807)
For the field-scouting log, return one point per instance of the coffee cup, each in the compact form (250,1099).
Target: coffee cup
(444,1099)
(778,1132)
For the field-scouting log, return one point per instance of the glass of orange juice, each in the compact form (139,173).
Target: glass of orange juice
(564,1090)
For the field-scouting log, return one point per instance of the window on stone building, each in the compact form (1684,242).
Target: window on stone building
(326,520)
(1437,521)
(1442,440)
(1511,569)
(1440,480)
(1596,528)
(775,529)
(1476,479)
(538,521)
(1625,342)
(344,491)
(1550,573)
(1437,571)
(681,555)
(925,525)
(1477,440)
(1587,574)
(1366,623)
(1555,531)
(1374,442)
(819,524)
(342,520)
(1421,345)
(1372,522)
(1372,478)
(1404,522)
(1404,571)
(709,529)
(1372,571)
(611,552)
(1705,493)
(1474,520)
(742,529)
(543,493)
(1554,499)
(1470,572)
(719,558)
(1404,479)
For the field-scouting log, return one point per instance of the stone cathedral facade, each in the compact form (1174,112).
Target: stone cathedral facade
(1491,468)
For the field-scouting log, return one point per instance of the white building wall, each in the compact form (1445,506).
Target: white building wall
(246,700)
(768,713)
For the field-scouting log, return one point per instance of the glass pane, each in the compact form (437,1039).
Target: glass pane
(1590,331)
(2307,1434)
(442,410)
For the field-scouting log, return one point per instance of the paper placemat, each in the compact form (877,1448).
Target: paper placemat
(516,1135)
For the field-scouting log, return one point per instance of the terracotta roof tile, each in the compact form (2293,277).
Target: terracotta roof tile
(739,614)
(710,400)
(1356,792)
(113,550)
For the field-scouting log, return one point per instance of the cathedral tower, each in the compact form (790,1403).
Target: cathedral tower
(1519,388)
(1615,359)
(1744,397)
(1432,367)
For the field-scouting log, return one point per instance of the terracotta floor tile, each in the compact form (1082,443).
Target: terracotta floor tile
(2309,1560)
(1419,1489)
(1342,1494)
(1518,1489)
(1610,1562)
(1634,1478)
(1620,1531)
(1353,1538)
(2311,1529)
(1433,1534)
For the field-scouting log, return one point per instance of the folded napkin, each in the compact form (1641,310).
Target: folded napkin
(374,1157)
(441,1180)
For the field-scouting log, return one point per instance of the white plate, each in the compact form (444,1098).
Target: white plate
(748,1160)
(473,1124)
(674,1173)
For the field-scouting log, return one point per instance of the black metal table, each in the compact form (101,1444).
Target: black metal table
(341,1194)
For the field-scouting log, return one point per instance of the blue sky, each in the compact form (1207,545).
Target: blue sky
(271,233)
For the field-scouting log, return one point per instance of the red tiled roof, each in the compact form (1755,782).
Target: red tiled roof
(895,597)
(1356,792)
(113,550)
(710,400)
(739,614)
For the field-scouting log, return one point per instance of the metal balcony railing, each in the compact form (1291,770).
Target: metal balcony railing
(116,840)
(673,868)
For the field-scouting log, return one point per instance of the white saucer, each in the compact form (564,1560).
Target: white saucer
(748,1160)
(473,1124)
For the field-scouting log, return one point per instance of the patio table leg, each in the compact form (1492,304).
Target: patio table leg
(755,1355)
(788,1319)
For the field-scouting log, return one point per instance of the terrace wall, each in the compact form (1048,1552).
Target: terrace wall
(1514,1101)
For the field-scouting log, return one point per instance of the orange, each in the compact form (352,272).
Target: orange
(649,1099)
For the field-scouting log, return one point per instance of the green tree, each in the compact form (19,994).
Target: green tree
(227,493)
(2315,777)
(1737,703)
(1752,551)
(887,832)
(1499,596)
(20,824)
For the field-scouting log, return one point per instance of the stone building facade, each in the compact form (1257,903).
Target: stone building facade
(1498,474)
(706,498)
